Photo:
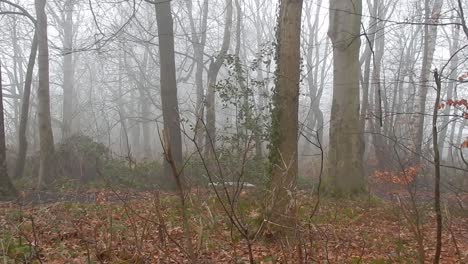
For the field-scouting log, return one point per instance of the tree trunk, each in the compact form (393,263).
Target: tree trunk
(370,40)
(454,63)
(169,100)
(170,108)
(345,170)
(378,135)
(23,126)
(315,114)
(7,190)
(46,138)
(125,148)
(18,76)
(435,143)
(145,104)
(68,71)
(430,35)
(199,49)
(213,71)
(134,125)
(284,134)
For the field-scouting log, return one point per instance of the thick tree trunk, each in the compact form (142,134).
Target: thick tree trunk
(345,170)
(7,190)
(169,100)
(284,134)
(170,108)
(215,66)
(46,138)
(23,126)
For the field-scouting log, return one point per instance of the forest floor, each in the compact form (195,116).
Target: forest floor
(105,226)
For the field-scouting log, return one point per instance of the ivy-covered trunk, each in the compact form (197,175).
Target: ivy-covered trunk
(284,134)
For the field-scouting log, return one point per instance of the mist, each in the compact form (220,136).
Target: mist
(258,111)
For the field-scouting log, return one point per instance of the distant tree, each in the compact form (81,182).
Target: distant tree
(24,117)
(345,169)
(213,71)
(46,138)
(317,65)
(7,190)
(432,16)
(284,134)
(198,39)
(66,26)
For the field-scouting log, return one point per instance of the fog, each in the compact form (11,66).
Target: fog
(181,94)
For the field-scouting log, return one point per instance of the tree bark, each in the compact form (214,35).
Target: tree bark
(284,134)
(170,108)
(23,126)
(435,142)
(68,71)
(345,170)
(7,190)
(46,138)
(169,100)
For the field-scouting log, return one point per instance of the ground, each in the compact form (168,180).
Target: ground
(106,226)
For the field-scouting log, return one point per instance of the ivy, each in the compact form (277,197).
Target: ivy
(274,140)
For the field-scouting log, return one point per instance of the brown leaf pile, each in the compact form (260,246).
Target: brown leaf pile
(147,229)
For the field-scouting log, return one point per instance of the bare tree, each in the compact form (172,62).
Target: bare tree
(169,100)
(25,104)
(435,142)
(145,105)
(46,138)
(432,16)
(198,38)
(316,64)
(454,46)
(7,190)
(213,71)
(66,25)
(345,171)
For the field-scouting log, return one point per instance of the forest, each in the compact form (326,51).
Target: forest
(233,131)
